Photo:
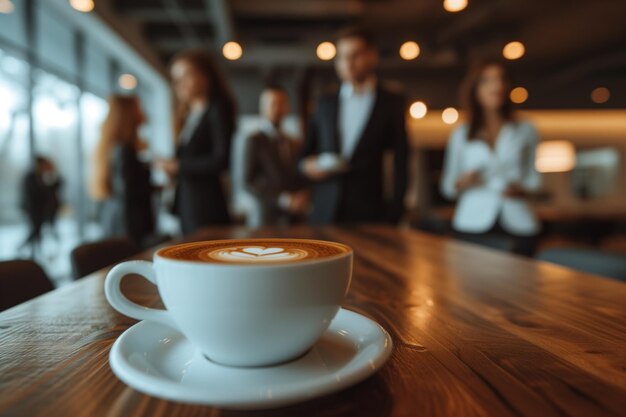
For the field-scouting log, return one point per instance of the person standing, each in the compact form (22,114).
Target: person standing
(53,182)
(347,137)
(120,182)
(204,124)
(270,173)
(40,200)
(489,164)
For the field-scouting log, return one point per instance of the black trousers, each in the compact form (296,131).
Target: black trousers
(498,238)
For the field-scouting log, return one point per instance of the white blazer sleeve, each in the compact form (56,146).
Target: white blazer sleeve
(452,164)
(531,179)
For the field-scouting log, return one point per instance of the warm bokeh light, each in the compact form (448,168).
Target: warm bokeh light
(409,50)
(600,95)
(450,115)
(326,51)
(513,50)
(519,95)
(84,6)
(6,6)
(454,5)
(232,50)
(127,81)
(555,156)
(418,110)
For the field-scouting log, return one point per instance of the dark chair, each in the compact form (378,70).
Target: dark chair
(155,240)
(433,225)
(21,280)
(93,256)
(502,243)
(607,264)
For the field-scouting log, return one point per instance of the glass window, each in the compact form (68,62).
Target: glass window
(55,121)
(14,136)
(14,152)
(96,69)
(13,31)
(66,128)
(147,130)
(55,41)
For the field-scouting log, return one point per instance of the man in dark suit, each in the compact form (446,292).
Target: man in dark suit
(270,173)
(348,135)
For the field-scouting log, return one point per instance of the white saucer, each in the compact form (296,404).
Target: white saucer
(158,360)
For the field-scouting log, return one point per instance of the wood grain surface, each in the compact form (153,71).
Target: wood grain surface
(476,333)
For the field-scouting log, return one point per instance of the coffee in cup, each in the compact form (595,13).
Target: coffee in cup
(246,302)
(259,251)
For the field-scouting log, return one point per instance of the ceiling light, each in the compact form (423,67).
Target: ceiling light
(454,5)
(127,81)
(232,51)
(600,95)
(326,51)
(513,50)
(518,95)
(84,6)
(418,110)
(6,6)
(450,115)
(409,50)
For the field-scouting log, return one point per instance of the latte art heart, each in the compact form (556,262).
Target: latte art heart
(253,253)
(263,252)
(258,254)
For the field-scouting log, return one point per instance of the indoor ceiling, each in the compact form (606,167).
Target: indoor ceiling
(566,41)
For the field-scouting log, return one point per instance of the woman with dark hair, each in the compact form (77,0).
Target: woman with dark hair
(204,123)
(490,164)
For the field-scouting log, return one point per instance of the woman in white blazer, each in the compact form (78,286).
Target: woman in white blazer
(490,163)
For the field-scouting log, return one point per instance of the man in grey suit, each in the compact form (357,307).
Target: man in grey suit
(348,135)
(270,173)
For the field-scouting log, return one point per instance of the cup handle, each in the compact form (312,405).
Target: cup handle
(122,304)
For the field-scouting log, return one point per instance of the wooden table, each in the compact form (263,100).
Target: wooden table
(590,212)
(476,333)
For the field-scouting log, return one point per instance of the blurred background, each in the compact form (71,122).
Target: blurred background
(60,59)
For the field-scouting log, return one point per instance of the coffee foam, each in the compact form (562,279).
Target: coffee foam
(254,251)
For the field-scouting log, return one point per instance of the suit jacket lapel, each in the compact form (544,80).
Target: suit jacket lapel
(197,129)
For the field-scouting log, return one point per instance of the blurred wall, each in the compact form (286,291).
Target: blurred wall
(585,129)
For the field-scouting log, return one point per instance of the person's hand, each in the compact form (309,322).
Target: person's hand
(312,171)
(299,202)
(468,180)
(514,190)
(169,166)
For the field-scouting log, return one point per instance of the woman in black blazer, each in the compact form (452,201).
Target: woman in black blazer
(204,124)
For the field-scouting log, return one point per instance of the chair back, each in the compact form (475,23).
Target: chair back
(21,280)
(502,243)
(607,264)
(94,256)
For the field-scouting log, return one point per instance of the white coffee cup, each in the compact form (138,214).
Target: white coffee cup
(241,314)
(329,161)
